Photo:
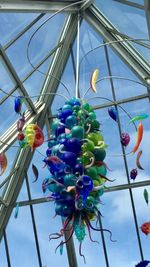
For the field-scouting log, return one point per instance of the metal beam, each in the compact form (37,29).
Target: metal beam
(125,51)
(129,3)
(107,190)
(147,12)
(38,6)
(15,76)
(85,5)
(24,157)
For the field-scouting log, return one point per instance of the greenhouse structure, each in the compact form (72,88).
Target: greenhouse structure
(74,133)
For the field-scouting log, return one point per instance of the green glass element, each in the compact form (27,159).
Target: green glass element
(78,131)
(99,154)
(86,157)
(86,106)
(76,108)
(92,172)
(79,231)
(69,180)
(90,201)
(102,170)
(55,124)
(88,146)
(92,115)
(95,137)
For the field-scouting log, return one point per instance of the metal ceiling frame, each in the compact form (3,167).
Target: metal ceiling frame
(37,6)
(147,12)
(132,59)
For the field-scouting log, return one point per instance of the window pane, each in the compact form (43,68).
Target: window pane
(6,80)
(46,225)
(21,239)
(13,23)
(43,42)
(3,259)
(118,218)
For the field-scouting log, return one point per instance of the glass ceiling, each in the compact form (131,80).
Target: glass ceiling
(124,67)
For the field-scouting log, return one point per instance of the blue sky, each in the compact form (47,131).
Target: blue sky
(117,211)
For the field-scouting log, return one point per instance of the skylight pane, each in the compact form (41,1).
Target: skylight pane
(33,84)
(124,88)
(23,229)
(6,80)
(127,19)
(9,115)
(3,258)
(47,225)
(43,42)
(13,23)
(118,218)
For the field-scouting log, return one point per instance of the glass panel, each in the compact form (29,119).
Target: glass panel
(43,42)
(118,218)
(20,233)
(35,82)
(3,258)
(13,23)
(6,80)
(46,225)
(124,88)
(128,20)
